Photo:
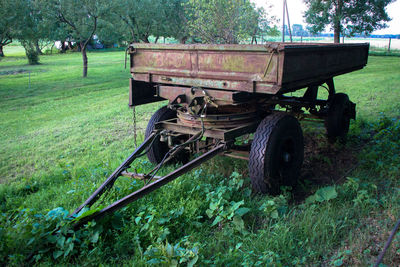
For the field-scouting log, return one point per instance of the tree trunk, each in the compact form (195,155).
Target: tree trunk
(182,40)
(156,40)
(85,60)
(336,33)
(62,47)
(336,22)
(1,51)
(38,50)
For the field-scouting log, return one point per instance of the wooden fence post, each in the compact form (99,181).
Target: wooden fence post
(390,41)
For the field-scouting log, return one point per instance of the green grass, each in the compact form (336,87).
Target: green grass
(62,134)
(379,51)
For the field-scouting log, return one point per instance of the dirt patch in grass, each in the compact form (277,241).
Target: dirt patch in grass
(19,71)
(13,72)
(324,162)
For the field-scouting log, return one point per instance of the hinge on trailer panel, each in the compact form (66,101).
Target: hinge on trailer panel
(131,50)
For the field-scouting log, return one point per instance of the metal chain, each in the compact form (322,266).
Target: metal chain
(134,126)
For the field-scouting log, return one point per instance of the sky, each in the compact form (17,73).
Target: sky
(297,8)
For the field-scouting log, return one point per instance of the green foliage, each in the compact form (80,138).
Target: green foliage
(183,252)
(347,17)
(33,236)
(79,17)
(27,28)
(340,258)
(275,207)
(7,21)
(383,155)
(322,195)
(222,207)
(138,20)
(226,21)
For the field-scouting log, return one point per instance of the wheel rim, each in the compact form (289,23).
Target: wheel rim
(287,154)
(287,151)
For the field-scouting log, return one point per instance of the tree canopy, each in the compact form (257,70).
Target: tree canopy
(80,17)
(225,21)
(346,17)
(7,20)
(34,22)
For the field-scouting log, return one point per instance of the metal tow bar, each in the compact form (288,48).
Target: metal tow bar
(147,188)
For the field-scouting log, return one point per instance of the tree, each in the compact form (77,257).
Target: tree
(259,23)
(27,28)
(350,16)
(80,17)
(176,20)
(223,21)
(7,20)
(144,18)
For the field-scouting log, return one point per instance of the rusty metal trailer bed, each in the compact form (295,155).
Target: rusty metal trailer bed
(218,94)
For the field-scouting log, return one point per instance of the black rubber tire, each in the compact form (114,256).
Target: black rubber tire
(158,149)
(337,122)
(278,137)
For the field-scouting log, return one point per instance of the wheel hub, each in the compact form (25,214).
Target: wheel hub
(287,157)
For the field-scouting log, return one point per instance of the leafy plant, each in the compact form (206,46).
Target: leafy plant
(322,195)
(221,206)
(173,255)
(275,207)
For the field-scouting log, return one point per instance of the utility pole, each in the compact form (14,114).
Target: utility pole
(286,11)
(283,22)
(288,22)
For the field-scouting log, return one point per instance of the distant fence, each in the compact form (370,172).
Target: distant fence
(379,45)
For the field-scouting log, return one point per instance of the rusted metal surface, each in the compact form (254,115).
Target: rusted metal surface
(220,97)
(139,176)
(236,154)
(216,133)
(109,182)
(152,186)
(270,69)
(217,121)
(222,117)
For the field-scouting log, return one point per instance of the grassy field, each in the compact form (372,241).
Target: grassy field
(62,134)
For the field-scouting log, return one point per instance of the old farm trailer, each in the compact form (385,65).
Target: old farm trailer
(218,93)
